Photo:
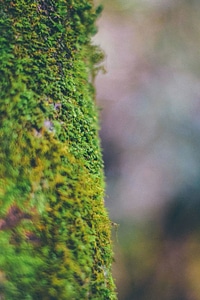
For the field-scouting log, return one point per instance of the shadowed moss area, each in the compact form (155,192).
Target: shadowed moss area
(54,230)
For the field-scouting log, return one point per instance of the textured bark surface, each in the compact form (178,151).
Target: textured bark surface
(54,229)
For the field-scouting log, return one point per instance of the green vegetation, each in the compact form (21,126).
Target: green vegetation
(54,230)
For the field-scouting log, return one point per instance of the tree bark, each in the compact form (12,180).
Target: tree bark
(54,229)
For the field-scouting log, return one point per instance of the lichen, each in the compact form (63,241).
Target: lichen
(50,155)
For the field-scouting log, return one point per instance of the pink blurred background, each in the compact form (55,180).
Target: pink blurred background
(150,130)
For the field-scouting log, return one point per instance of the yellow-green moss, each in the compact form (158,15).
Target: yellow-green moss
(50,159)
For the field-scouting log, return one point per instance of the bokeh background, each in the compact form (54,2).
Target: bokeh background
(149,101)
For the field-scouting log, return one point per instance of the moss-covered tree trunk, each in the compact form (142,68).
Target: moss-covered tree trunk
(54,229)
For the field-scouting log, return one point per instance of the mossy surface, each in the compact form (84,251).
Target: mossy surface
(54,229)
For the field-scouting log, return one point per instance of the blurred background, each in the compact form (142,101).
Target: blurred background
(149,101)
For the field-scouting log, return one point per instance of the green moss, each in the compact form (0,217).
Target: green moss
(50,156)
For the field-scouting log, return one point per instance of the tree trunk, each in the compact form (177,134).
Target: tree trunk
(54,229)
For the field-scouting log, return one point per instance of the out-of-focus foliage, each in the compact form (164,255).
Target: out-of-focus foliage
(161,259)
(151,134)
(54,230)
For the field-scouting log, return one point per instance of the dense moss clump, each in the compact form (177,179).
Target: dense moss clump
(54,229)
